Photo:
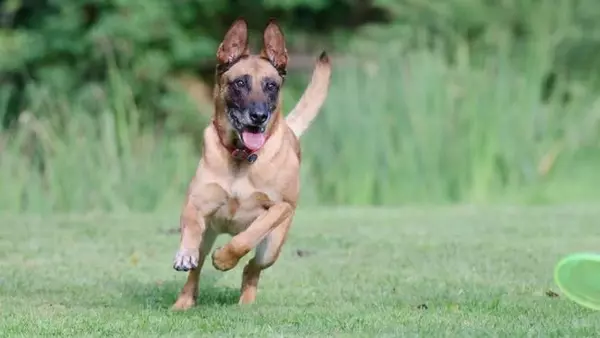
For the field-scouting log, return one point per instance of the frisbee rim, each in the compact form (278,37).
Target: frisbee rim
(576,257)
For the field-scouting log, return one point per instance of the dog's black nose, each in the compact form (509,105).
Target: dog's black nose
(259,114)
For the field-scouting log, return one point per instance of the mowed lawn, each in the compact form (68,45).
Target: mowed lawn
(451,271)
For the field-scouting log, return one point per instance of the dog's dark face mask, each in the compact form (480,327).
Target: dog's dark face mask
(250,102)
(249,85)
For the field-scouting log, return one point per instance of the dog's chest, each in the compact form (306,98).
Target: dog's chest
(246,201)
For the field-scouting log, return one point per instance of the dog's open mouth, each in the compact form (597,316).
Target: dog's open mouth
(253,137)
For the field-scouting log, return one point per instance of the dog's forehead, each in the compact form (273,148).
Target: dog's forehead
(253,66)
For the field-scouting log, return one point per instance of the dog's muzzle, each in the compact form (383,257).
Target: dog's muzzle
(250,124)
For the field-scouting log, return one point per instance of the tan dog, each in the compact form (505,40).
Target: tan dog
(247,181)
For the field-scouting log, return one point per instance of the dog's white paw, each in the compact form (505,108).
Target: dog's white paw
(186,260)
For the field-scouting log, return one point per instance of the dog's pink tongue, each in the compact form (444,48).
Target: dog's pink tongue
(253,141)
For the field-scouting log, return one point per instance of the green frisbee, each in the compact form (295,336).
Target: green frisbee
(578,277)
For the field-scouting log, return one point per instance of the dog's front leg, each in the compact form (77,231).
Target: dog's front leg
(200,204)
(226,257)
(196,240)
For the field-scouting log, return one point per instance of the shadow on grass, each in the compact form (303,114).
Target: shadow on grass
(163,295)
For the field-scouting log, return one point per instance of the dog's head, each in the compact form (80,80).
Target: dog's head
(247,95)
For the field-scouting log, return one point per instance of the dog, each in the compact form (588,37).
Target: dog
(247,181)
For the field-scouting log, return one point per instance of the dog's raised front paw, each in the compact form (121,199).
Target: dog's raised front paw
(224,258)
(186,260)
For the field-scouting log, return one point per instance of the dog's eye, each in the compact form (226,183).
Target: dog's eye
(240,83)
(271,86)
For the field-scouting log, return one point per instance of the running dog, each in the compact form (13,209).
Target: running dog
(247,181)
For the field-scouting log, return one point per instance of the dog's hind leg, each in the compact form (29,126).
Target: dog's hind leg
(267,253)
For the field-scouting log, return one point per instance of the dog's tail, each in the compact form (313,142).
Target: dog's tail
(312,99)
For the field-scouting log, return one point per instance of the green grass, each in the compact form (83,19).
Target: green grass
(363,272)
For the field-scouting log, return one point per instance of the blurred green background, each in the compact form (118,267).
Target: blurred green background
(102,102)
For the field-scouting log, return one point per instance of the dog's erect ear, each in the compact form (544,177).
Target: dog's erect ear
(235,43)
(274,46)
